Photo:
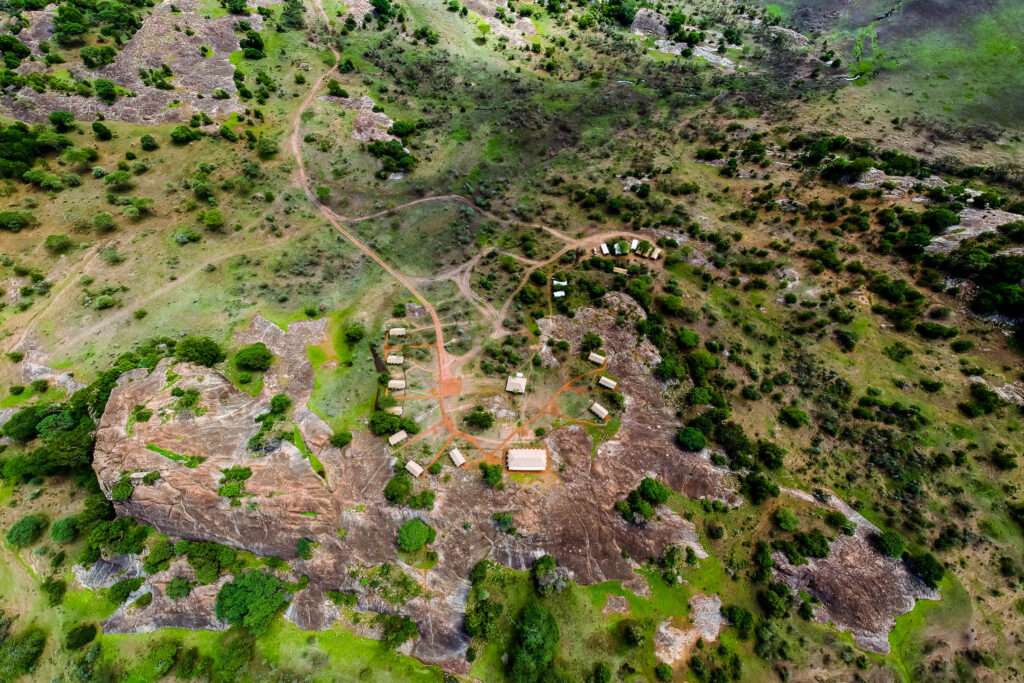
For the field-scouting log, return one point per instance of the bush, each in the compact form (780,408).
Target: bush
(120,591)
(341,439)
(27,530)
(398,489)
(178,588)
(888,543)
(786,519)
(533,646)
(122,490)
(149,143)
(252,600)
(54,590)
(80,636)
(479,418)
(199,350)
(183,135)
(16,221)
(20,653)
(64,530)
(925,567)
(758,488)
(254,357)
(793,417)
(691,439)
(491,475)
(415,534)
(58,244)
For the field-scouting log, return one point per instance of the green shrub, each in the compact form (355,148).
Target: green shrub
(80,636)
(888,543)
(254,357)
(491,475)
(16,221)
(122,490)
(341,439)
(786,519)
(199,350)
(252,600)
(691,439)
(178,588)
(183,135)
(58,244)
(120,591)
(27,530)
(20,653)
(398,489)
(415,534)
(925,567)
(534,642)
(64,530)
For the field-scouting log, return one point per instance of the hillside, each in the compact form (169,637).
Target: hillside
(412,340)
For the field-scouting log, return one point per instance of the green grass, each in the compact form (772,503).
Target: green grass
(190,461)
(907,638)
(350,657)
(972,70)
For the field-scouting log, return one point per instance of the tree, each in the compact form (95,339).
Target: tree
(199,350)
(23,425)
(354,333)
(398,489)
(20,653)
(533,644)
(27,530)
(759,488)
(591,342)
(64,530)
(415,534)
(479,418)
(62,121)
(254,357)
(741,619)
(491,475)
(925,567)
(182,135)
(58,244)
(691,439)
(80,636)
(101,131)
(888,543)
(252,600)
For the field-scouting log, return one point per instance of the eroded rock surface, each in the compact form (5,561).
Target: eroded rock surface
(861,590)
(568,511)
(973,222)
(175,33)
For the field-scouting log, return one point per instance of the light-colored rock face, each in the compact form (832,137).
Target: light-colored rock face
(567,512)
(649,23)
(861,590)
(162,39)
(973,222)
(895,187)
(673,644)
(285,500)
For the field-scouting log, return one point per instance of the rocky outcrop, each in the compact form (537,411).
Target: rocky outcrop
(973,222)
(567,512)
(860,590)
(649,23)
(175,33)
(673,644)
